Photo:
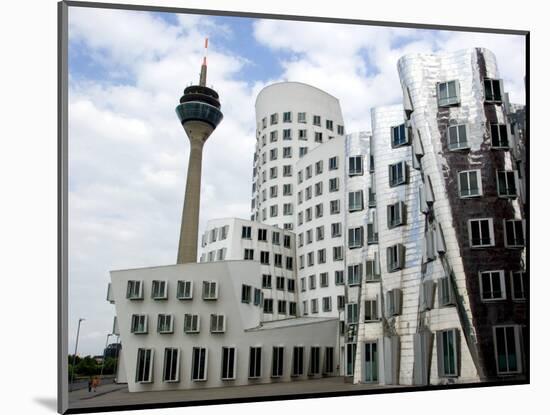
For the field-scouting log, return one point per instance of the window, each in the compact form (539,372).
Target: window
(457,137)
(287,116)
(229,358)
(139,324)
(291,285)
(273,154)
(373,269)
(334,207)
(341,302)
(292,308)
(469,183)
(339,277)
(277,362)
(321,256)
(302,134)
(329,125)
(340,129)
(171,369)
(447,353)
(247,232)
(199,364)
(337,253)
(274,118)
(328,366)
(518,285)
(396,214)
(355,165)
(507,349)
(333,163)
(320,233)
(255,362)
(257,296)
(315,360)
(134,290)
(333,184)
(287,170)
(352,313)
(264,257)
(481,233)
(144,367)
(246,293)
(371,310)
(427,291)
(278,260)
(185,290)
(304,308)
(209,290)
(514,232)
(264,122)
(399,136)
(312,282)
(398,173)
(191,323)
(281,306)
(287,189)
(446,293)
(314,306)
(324,279)
(165,323)
(302,151)
(289,263)
(492,90)
(492,286)
(327,304)
(297,361)
(266,281)
(355,237)
(350,358)
(318,137)
(336,229)
(287,152)
(356,201)
(318,188)
(355,274)
(280,283)
(301,117)
(506,184)
(499,135)
(221,254)
(268,305)
(395,256)
(393,301)
(273,173)
(448,93)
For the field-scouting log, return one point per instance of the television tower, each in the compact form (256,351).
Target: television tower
(199,114)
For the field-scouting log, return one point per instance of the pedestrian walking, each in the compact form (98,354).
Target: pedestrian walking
(90,384)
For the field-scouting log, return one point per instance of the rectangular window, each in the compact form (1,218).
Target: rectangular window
(273,173)
(371,310)
(287,153)
(199,364)
(257,296)
(356,201)
(492,90)
(328,366)
(481,233)
(277,362)
(229,359)
(492,285)
(336,230)
(287,189)
(341,302)
(302,134)
(291,285)
(514,233)
(292,308)
(469,183)
(337,253)
(448,93)
(327,304)
(396,214)
(191,323)
(266,281)
(165,323)
(297,361)
(302,151)
(395,257)
(324,279)
(372,198)
(340,129)
(499,135)
(457,137)
(315,361)
(314,306)
(393,302)
(312,282)
(350,358)
(264,257)
(280,283)
(398,173)
(373,269)
(508,349)
(318,188)
(506,184)
(317,120)
(159,290)
(287,170)
(518,285)
(333,184)
(302,117)
(355,237)
(399,136)
(246,294)
(278,259)
(355,274)
(247,232)
(445,291)
(289,263)
(171,369)
(255,362)
(209,290)
(144,367)
(333,163)
(287,116)
(318,137)
(185,290)
(268,305)
(134,290)
(304,308)
(447,353)
(339,277)
(139,324)
(321,256)
(356,165)
(329,125)
(334,207)
(352,313)
(274,118)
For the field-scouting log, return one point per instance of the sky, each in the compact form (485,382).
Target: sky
(128,152)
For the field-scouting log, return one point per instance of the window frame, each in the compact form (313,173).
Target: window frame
(448,101)
(459,145)
(491,233)
(482,278)
(177,350)
(228,371)
(469,195)
(138,378)
(201,351)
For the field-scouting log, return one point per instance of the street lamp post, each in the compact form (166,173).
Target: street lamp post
(80,320)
